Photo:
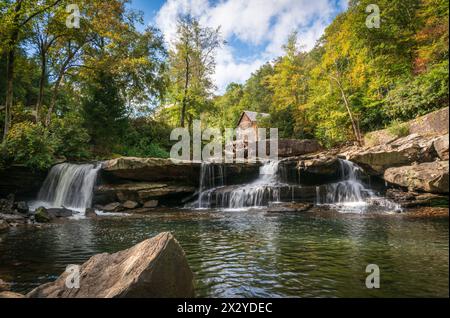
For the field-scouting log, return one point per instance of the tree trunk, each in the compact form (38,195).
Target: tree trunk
(41,83)
(53,100)
(186,87)
(350,114)
(9,90)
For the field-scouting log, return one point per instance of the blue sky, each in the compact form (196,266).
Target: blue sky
(255,30)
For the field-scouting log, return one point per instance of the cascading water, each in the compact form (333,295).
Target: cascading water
(257,194)
(68,185)
(350,194)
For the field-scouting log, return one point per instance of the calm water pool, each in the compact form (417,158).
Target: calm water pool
(253,253)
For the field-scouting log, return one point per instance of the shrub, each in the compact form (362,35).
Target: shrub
(30,144)
(73,138)
(425,93)
(398,129)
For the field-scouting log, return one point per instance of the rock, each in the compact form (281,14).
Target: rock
(151,204)
(7,204)
(401,152)
(311,170)
(294,147)
(4,286)
(152,170)
(90,213)
(22,207)
(409,199)
(21,181)
(113,207)
(8,294)
(142,192)
(154,268)
(290,207)
(174,191)
(441,147)
(60,213)
(3,225)
(429,177)
(129,205)
(41,215)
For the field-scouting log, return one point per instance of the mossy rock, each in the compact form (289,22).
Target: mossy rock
(42,216)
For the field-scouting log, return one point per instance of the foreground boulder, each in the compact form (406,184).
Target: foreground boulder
(9,294)
(429,177)
(154,268)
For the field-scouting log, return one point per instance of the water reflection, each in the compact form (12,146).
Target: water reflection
(253,254)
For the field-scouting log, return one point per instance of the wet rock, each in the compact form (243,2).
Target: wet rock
(410,199)
(151,204)
(90,213)
(129,205)
(22,207)
(7,204)
(112,207)
(429,177)
(60,213)
(41,215)
(3,225)
(401,152)
(4,286)
(441,147)
(289,207)
(141,192)
(9,294)
(154,268)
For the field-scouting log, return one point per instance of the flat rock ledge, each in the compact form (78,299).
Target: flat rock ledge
(154,268)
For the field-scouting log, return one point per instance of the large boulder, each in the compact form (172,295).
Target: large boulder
(294,147)
(441,147)
(9,294)
(154,268)
(151,170)
(142,192)
(428,177)
(401,152)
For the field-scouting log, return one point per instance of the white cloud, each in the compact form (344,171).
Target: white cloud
(261,23)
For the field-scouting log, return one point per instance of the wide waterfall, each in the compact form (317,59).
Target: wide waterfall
(68,185)
(349,194)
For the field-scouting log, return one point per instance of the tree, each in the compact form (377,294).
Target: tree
(103,112)
(18,14)
(191,64)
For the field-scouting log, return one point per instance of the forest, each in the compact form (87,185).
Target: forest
(108,88)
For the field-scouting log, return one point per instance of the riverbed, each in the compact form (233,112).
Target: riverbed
(253,253)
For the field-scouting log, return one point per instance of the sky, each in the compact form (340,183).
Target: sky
(255,30)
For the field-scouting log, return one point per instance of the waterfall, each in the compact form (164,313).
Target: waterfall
(68,185)
(350,194)
(211,176)
(257,194)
